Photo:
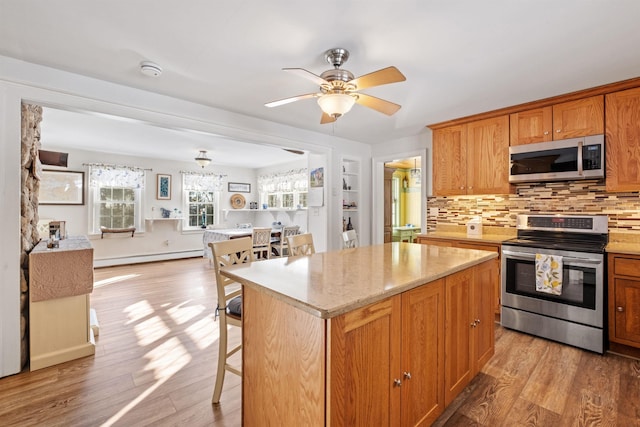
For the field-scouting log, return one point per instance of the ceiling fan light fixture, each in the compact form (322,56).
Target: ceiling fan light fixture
(202,160)
(336,104)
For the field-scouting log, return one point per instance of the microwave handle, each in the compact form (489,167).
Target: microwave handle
(580,170)
(530,257)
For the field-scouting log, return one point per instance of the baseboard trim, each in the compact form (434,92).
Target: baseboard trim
(138,259)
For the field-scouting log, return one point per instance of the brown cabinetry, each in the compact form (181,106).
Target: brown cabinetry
(472,158)
(624,299)
(494,272)
(394,379)
(569,119)
(469,338)
(623,140)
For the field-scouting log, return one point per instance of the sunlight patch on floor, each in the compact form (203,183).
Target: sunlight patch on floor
(138,311)
(182,314)
(204,332)
(114,279)
(151,330)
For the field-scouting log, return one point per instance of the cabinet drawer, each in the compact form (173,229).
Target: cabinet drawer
(626,266)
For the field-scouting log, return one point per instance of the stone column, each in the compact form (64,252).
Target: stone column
(30,169)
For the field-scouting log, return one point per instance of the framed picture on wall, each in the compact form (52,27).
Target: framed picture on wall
(163,187)
(59,187)
(239,187)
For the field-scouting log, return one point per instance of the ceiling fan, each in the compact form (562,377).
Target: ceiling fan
(339,89)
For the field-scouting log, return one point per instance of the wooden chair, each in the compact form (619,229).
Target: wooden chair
(282,245)
(261,242)
(229,308)
(350,238)
(301,244)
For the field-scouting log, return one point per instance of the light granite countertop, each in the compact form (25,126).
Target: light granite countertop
(624,243)
(332,283)
(458,232)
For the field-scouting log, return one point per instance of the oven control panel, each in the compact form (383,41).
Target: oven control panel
(571,223)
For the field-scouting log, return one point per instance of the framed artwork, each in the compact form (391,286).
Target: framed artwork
(59,187)
(239,187)
(163,187)
(316,178)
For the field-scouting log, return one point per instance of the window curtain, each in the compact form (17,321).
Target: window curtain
(289,181)
(116,176)
(193,181)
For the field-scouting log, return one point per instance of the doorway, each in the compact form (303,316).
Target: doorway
(402,199)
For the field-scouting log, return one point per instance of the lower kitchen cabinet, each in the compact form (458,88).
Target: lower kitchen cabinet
(388,361)
(469,335)
(624,299)
(483,246)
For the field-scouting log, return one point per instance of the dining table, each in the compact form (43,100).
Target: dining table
(219,234)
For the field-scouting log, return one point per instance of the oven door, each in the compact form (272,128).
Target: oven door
(581,300)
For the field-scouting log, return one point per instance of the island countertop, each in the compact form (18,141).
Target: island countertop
(332,283)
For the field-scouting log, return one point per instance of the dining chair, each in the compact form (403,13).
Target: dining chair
(229,308)
(261,242)
(282,245)
(350,238)
(301,244)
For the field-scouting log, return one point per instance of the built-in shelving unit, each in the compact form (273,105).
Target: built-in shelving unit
(351,192)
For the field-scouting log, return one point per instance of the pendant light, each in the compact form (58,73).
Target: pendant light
(415,173)
(202,160)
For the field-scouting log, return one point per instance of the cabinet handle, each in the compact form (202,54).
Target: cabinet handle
(397,383)
(620,309)
(462,187)
(407,375)
(546,132)
(557,130)
(477,322)
(473,325)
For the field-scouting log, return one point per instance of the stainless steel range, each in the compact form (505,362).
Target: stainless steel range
(570,307)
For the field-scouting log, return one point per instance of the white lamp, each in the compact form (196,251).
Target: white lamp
(336,104)
(202,159)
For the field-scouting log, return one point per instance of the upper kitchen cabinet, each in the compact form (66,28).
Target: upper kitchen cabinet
(569,119)
(623,140)
(488,156)
(450,161)
(472,158)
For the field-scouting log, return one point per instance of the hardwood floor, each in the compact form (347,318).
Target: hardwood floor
(157,352)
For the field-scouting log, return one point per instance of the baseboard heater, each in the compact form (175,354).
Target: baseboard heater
(137,259)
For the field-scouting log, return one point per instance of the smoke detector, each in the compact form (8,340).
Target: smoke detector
(150,69)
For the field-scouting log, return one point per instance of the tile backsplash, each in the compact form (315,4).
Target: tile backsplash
(566,197)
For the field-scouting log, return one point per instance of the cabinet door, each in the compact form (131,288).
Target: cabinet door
(483,343)
(457,327)
(578,118)
(627,311)
(450,161)
(365,361)
(422,354)
(488,156)
(495,272)
(623,140)
(531,126)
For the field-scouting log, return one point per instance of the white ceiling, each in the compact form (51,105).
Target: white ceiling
(460,57)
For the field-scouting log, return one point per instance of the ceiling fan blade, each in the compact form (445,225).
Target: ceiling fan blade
(291,150)
(292,99)
(378,78)
(385,107)
(327,119)
(307,75)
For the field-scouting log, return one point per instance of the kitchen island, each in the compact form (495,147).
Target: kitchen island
(376,335)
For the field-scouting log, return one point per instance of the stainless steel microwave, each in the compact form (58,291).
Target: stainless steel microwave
(568,159)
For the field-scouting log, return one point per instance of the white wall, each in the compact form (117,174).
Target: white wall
(21,81)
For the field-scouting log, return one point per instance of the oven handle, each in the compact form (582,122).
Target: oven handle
(529,257)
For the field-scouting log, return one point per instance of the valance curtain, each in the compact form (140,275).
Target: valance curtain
(289,181)
(202,182)
(116,176)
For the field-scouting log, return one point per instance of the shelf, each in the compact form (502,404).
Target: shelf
(177,222)
(273,211)
(350,209)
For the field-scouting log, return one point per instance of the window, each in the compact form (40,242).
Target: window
(201,199)
(201,208)
(115,197)
(287,190)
